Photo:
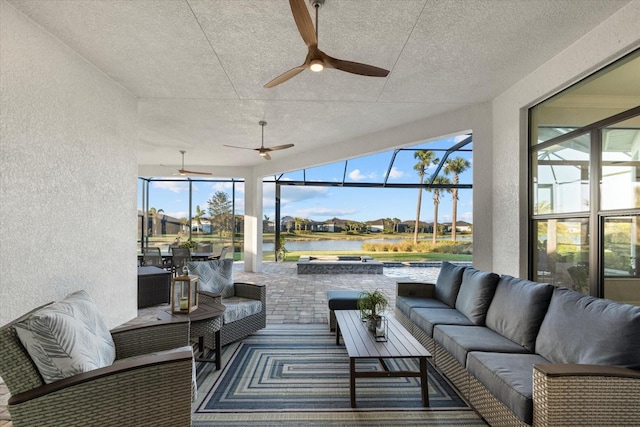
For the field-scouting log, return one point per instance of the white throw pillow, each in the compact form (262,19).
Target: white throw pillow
(67,337)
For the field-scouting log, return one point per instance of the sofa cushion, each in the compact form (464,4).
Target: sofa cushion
(584,329)
(239,308)
(476,292)
(509,377)
(427,318)
(214,275)
(448,283)
(67,338)
(460,340)
(406,304)
(517,309)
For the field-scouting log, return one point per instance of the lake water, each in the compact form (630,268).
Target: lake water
(333,245)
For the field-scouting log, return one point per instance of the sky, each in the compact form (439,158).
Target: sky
(322,203)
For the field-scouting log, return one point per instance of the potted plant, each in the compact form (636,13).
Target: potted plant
(371,304)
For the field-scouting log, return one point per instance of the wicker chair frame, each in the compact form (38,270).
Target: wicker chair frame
(241,328)
(148,390)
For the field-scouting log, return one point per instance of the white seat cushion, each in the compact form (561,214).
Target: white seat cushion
(239,308)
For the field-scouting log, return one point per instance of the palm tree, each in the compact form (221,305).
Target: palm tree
(436,201)
(197,218)
(396,221)
(455,167)
(425,159)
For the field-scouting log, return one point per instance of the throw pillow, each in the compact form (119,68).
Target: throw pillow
(476,292)
(67,338)
(448,283)
(214,276)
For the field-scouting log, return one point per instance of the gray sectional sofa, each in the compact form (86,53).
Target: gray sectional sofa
(525,353)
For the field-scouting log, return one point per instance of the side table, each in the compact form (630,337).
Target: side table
(205,320)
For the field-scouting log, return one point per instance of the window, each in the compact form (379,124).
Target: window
(585,185)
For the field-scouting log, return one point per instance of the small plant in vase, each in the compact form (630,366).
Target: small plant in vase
(371,305)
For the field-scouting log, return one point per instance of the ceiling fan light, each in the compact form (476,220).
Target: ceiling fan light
(263,153)
(316,66)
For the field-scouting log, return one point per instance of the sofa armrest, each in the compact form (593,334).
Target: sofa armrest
(585,395)
(250,290)
(150,337)
(415,289)
(161,385)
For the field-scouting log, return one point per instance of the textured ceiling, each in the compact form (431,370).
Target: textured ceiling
(198,66)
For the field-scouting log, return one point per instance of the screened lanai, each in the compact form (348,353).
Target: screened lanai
(366,189)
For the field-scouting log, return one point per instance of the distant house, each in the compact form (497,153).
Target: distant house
(376,226)
(461,226)
(409,225)
(335,225)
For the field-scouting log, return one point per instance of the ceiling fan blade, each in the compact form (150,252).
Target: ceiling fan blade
(303,21)
(188,172)
(265,155)
(279,147)
(235,146)
(285,76)
(354,67)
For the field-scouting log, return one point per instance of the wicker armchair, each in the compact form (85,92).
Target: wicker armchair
(147,390)
(239,329)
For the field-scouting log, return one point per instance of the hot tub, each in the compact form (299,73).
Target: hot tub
(340,264)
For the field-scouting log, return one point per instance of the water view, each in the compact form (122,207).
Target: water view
(336,245)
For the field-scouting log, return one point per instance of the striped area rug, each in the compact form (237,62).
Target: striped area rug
(296,375)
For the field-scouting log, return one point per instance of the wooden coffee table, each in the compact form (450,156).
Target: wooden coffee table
(361,344)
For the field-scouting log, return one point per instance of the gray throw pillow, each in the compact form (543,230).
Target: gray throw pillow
(67,338)
(448,283)
(214,276)
(584,329)
(517,309)
(476,292)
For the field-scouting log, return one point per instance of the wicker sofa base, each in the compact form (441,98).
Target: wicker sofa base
(490,408)
(426,341)
(404,321)
(568,400)
(453,370)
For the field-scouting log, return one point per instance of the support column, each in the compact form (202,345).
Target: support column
(253,190)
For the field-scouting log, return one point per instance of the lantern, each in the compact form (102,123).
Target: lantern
(184,294)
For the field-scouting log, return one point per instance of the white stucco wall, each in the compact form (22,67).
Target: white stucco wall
(612,39)
(68,177)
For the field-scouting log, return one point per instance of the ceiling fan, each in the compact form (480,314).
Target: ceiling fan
(263,151)
(316,59)
(182,171)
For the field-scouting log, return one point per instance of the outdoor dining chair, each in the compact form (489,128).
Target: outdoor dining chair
(223,253)
(152,257)
(179,259)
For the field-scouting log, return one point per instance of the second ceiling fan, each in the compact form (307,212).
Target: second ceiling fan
(316,59)
(262,150)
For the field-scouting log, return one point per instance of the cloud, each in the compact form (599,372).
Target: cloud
(178,214)
(356,175)
(465,216)
(294,194)
(459,138)
(175,186)
(395,173)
